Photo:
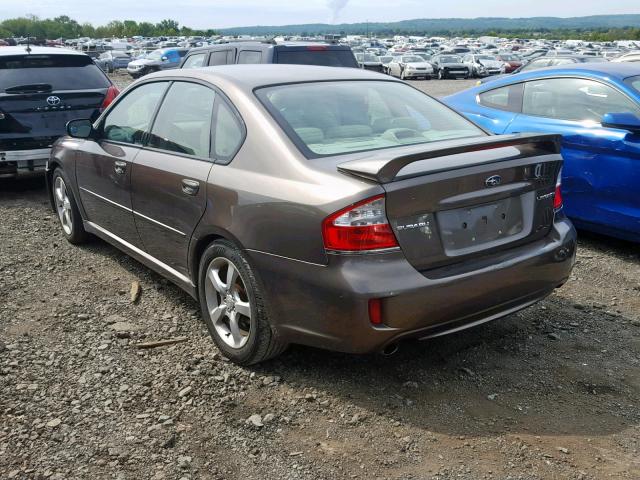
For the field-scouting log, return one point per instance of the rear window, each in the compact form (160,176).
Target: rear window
(62,72)
(326,57)
(333,118)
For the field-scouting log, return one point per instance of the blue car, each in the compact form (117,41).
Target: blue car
(596,107)
(161,59)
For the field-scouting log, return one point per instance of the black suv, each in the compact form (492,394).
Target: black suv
(297,53)
(41,89)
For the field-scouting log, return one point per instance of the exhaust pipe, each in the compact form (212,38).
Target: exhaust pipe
(390,349)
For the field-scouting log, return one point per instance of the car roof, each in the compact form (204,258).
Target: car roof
(22,50)
(611,70)
(249,77)
(267,45)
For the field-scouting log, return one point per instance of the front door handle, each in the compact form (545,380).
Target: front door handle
(190,187)
(120,167)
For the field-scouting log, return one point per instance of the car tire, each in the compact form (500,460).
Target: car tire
(235,315)
(67,209)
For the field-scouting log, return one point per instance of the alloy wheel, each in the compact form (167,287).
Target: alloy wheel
(63,205)
(228,302)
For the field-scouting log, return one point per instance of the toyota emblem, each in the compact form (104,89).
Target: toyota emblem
(493,181)
(53,100)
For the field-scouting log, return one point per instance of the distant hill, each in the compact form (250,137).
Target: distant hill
(448,26)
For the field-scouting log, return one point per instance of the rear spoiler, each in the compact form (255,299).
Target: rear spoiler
(384,169)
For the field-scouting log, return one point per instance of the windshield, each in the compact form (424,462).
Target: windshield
(371,58)
(412,59)
(155,55)
(61,72)
(485,57)
(634,82)
(334,118)
(593,59)
(508,58)
(450,59)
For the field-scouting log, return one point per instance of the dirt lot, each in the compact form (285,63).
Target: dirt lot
(552,392)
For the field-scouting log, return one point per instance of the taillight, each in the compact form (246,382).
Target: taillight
(112,93)
(557,199)
(363,226)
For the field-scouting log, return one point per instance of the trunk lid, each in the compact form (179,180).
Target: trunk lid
(454,200)
(45,114)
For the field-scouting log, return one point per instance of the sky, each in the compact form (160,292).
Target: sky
(234,13)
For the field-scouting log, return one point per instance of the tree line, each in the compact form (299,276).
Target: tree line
(66,27)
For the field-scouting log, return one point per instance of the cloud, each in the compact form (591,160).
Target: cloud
(336,7)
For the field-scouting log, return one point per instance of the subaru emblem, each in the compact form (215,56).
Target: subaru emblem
(493,181)
(53,100)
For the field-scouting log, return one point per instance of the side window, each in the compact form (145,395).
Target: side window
(227,132)
(248,56)
(574,99)
(195,61)
(183,123)
(505,98)
(218,58)
(131,117)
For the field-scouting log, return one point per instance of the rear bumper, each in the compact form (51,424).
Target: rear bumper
(327,306)
(23,162)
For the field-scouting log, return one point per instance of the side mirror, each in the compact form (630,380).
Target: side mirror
(81,128)
(622,121)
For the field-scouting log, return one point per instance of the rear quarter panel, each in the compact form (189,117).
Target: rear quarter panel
(270,198)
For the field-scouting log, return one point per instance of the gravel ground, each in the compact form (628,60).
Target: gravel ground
(549,393)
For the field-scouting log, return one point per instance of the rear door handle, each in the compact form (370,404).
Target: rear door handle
(190,187)
(120,167)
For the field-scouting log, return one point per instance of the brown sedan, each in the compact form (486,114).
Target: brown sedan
(323,206)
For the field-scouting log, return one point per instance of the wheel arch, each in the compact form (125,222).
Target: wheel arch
(199,244)
(52,164)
